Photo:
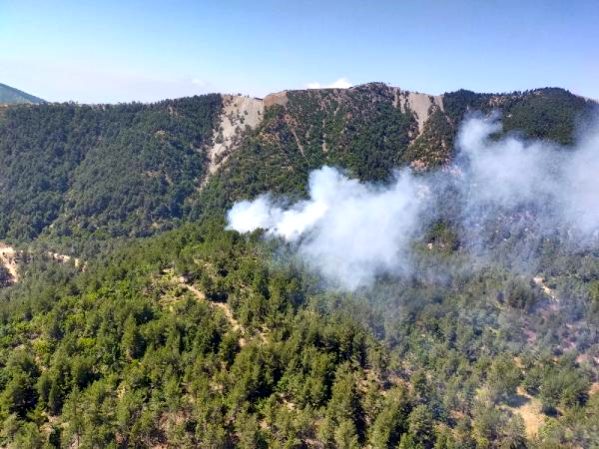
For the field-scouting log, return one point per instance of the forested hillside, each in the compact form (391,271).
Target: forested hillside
(177,333)
(195,339)
(133,169)
(373,129)
(10,95)
(118,170)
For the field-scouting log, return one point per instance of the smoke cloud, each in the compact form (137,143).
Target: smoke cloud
(558,185)
(351,231)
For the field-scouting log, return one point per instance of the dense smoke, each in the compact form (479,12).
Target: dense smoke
(352,231)
(559,185)
(349,231)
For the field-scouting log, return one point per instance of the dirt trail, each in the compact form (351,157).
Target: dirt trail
(540,281)
(9,258)
(222,306)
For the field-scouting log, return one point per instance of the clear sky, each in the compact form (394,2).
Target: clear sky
(110,51)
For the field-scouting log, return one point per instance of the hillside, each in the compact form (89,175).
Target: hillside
(131,316)
(194,339)
(371,130)
(10,95)
(117,170)
(132,170)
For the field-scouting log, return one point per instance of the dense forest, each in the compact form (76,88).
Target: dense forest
(195,339)
(88,173)
(177,333)
(119,170)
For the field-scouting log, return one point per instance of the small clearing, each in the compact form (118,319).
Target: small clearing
(540,281)
(63,258)
(8,258)
(530,411)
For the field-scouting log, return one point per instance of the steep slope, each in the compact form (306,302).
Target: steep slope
(120,170)
(131,170)
(10,95)
(239,115)
(373,129)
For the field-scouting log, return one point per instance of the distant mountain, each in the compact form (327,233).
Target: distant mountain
(10,95)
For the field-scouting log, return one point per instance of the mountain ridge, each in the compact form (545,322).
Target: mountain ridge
(10,95)
(182,158)
(422,105)
(133,316)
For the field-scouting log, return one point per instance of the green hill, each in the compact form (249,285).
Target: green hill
(10,95)
(133,169)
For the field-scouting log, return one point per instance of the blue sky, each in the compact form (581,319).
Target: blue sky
(110,51)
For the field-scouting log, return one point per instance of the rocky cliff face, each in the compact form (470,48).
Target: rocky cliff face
(371,130)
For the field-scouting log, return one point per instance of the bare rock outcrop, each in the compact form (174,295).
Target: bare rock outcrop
(238,114)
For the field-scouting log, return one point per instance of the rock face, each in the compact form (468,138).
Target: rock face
(8,260)
(420,104)
(279,98)
(239,114)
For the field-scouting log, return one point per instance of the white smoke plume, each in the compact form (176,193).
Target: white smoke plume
(351,231)
(561,185)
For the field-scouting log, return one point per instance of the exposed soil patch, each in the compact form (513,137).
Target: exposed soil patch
(540,281)
(420,104)
(238,113)
(529,408)
(8,259)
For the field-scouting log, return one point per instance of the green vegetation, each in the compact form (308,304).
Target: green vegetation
(113,170)
(10,95)
(200,337)
(89,173)
(194,339)
(364,132)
